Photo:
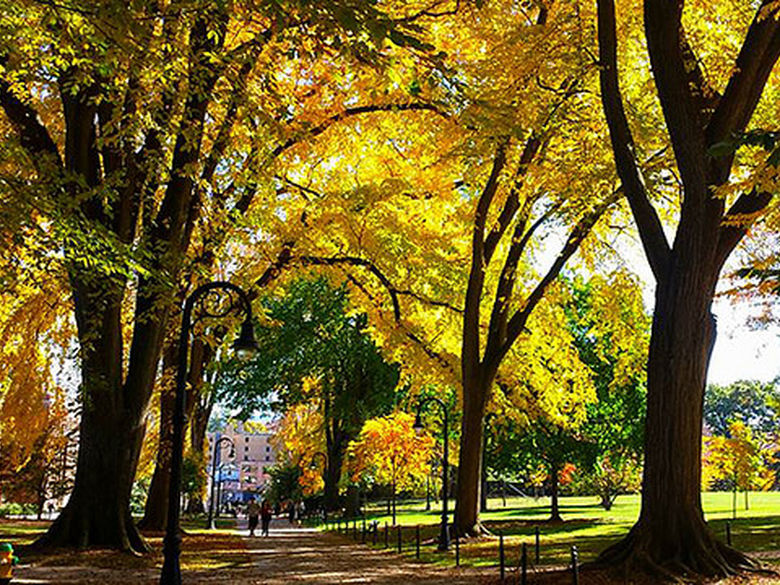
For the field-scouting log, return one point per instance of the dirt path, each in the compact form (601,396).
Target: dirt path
(289,555)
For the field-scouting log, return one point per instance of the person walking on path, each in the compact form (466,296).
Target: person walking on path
(265,516)
(252,512)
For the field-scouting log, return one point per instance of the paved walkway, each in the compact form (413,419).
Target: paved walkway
(300,555)
(289,555)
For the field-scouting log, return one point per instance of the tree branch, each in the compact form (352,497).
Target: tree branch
(684,120)
(355,111)
(738,220)
(757,57)
(33,135)
(498,317)
(520,318)
(651,232)
(470,356)
(513,200)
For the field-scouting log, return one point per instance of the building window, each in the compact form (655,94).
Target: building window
(246,439)
(267,458)
(267,449)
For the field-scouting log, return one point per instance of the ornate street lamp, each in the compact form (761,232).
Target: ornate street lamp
(444,537)
(217,445)
(214,300)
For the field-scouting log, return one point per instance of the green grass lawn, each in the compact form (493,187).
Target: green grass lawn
(586,525)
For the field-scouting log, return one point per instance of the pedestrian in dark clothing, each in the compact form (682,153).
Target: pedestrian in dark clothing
(253,513)
(265,517)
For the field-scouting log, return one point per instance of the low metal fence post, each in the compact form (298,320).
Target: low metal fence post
(501,555)
(524,565)
(575,569)
(536,553)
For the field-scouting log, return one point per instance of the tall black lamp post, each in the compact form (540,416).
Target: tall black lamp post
(444,537)
(217,445)
(214,300)
(313,465)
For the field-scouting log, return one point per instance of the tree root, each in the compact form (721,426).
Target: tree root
(70,531)
(700,555)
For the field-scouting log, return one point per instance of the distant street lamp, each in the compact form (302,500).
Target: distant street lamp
(312,465)
(227,440)
(444,537)
(215,300)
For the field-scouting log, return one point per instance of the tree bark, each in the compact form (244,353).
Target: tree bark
(555,513)
(156,506)
(470,462)
(98,511)
(671,536)
(332,477)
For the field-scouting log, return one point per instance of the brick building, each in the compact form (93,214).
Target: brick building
(246,473)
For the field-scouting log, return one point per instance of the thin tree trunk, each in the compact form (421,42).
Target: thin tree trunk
(483,496)
(555,513)
(392,495)
(332,477)
(156,506)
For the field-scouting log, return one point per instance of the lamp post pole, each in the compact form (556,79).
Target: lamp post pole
(217,446)
(444,537)
(219,291)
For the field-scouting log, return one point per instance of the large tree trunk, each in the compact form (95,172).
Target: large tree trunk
(111,429)
(470,464)
(98,511)
(671,536)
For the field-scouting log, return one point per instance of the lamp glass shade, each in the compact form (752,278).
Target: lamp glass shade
(246,346)
(418,426)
